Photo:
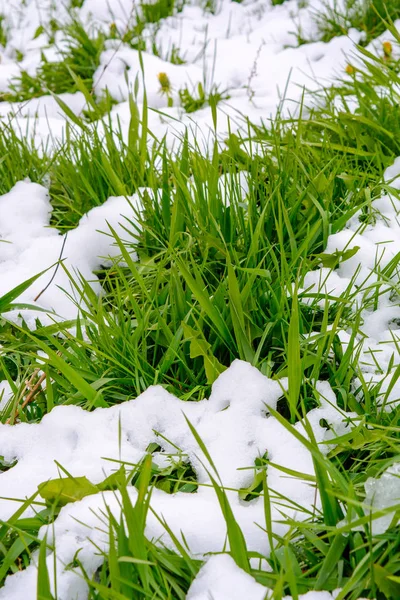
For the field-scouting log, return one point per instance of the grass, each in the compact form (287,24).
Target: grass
(220,276)
(190,101)
(367,16)
(3,32)
(79,53)
(80,57)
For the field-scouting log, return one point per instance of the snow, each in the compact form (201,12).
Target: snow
(378,243)
(116,62)
(221,579)
(235,426)
(248,50)
(384,493)
(29,245)
(6,393)
(45,107)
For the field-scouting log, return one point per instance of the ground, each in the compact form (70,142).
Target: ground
(199,299)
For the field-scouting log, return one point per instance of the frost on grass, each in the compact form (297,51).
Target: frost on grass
(236,428)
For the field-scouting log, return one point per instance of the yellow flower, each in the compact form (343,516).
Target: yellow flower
(350,70)
(164,83)
(387,49)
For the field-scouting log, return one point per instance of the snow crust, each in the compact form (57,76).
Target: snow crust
(384,493)
(221,579)
(6,394)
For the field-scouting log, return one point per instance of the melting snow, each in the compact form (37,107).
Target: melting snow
(248,50)
(384,493)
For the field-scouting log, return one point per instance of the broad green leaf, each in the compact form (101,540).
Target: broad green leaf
(113,481)
(65,490)
(200,347)
(332,260)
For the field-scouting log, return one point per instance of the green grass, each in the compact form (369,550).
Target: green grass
(80,57)
(80,54)
(368,16)
(146,17)
(197,99)
(19,159)
(217,281)
(3,32)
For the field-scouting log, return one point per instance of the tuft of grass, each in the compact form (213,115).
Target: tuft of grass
(3,32)
(192,101)
(19,159)
(19,537)
(146,17)
(81,57)
(369,16)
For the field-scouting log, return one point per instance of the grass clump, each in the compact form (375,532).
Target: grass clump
(365,108)
(146,18)
(3,32)
(110,168)
(155,11)
(217,262)
(369,16)
(192,101)
(19,159)
(80,57)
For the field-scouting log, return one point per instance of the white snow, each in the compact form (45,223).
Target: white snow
(234,424)
(378,243)
(250,51)
(28,245)
(6,393)
(384,493)
(221,579)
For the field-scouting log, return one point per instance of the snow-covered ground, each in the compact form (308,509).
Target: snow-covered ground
(250,51)
(236,427)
